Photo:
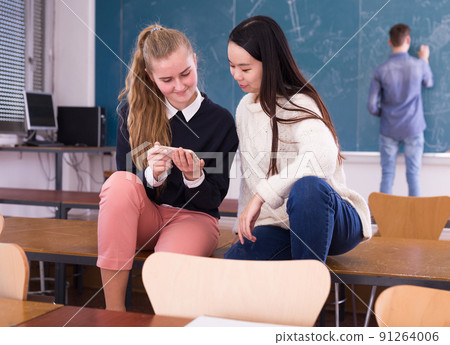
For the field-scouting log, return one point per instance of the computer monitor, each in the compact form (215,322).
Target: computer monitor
(39,111)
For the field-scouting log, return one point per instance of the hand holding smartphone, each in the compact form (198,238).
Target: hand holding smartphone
(165,155)
(168,150)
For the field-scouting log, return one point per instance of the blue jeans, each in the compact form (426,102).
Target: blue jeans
(321,224)
(413,148)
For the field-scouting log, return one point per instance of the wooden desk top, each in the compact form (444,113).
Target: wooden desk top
(64,237)
(50,196)
(396,258)
(89,317)
(228,206)
(56,149)
(13,312)
(56,236)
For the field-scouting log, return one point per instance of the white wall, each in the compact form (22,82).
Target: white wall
(73,84)
(74,72)
(363,174)
(74,51)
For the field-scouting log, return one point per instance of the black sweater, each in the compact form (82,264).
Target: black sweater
(216,132)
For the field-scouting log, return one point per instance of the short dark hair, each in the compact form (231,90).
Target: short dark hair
(398,34)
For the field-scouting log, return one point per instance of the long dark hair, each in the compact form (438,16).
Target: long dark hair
(264,39)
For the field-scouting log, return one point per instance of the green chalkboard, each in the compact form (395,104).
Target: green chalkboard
(337,45)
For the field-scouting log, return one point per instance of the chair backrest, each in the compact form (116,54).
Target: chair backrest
(413,306)
(410,217)
(279,292)
(14,272)
(2,223)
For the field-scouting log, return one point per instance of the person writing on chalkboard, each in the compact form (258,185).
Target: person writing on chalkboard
(294,203)
(175,207)
(396,97)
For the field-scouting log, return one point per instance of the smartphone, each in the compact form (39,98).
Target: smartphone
(167,150)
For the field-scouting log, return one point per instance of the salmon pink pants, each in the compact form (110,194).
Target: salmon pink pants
(129,221)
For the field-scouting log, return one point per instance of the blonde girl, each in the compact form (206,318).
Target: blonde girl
(174,207)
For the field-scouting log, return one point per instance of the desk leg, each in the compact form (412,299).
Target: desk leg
(58,170)
(129,291)
(60,283)
(64,211)
(321,321)
(58,213)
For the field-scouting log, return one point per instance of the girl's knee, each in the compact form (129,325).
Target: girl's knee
(121,188)
(121,182)
(309,186)
(308,192)
(123,177)
(238,251)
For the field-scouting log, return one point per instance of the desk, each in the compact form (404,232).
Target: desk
(14,312)
(229,208)
(393,261)
(59,152)
(65,242)
(63,201)
(55,240)
(90,317)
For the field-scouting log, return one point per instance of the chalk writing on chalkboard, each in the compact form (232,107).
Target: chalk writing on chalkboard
(316,31)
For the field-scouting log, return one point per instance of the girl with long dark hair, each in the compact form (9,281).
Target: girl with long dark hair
(294,203)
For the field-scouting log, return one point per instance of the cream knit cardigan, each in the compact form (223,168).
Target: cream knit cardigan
(305,148)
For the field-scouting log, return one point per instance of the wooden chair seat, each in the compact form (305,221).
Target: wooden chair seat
(2,223)
(258,291)
(14,272)
(413,306)
(410,217)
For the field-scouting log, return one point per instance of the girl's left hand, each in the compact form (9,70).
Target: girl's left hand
(191,169)
(248,218)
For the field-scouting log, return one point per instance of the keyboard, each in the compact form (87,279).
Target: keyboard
(42,143)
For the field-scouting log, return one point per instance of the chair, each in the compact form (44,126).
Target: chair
(410,217)
(413,306)
(41,277)
(2,223)
(13,271)
(278,292)
(407,217)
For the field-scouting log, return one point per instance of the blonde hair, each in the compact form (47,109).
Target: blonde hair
(147,119)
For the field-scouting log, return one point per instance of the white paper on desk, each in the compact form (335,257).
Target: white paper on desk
(209,321)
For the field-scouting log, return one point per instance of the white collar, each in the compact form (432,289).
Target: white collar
(189,111)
